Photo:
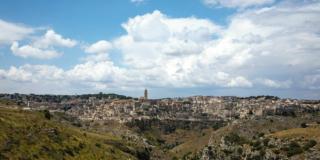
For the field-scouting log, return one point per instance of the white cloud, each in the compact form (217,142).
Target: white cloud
(98,51)
(16,74)
(136,1)
(154,36)
(13,32)
(237,3)
(32,73)
(171,50)
(99,47)
(157,27)
(94,71)
(27,51)
(256,43)
(239,82)
(275,84)
(96,58)
(53,39)
(43,47)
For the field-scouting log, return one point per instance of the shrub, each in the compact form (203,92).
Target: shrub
(82,145)
(143,154)
(266,141)
(262,152)
(98,145)
(255,157)
(255,143)
(54,135)
(175,158)
(309,144)
(240,150)
(234,138)
(235,157)
(10,144)
(294,148)
(304,125)
(261,134)
(47,114)
(2,156)
(69,151)
(276,151)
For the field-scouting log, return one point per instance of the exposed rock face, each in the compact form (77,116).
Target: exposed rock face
(262,148)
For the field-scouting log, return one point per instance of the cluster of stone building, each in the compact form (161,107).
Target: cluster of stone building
(193,108)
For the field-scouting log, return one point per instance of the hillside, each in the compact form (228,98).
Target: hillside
(34,135)
(44,135)
(273,137)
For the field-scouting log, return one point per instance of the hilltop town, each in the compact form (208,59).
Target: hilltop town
(196,108)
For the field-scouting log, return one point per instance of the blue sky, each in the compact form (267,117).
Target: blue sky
(174,48)
(93,21)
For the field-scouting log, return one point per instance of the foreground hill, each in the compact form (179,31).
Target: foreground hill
(34,135)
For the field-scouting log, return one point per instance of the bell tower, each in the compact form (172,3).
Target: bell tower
(145,94)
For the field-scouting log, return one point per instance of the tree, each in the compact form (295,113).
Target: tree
(47,114)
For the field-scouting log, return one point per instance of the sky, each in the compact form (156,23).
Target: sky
(173,48)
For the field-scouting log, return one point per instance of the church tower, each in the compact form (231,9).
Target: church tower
(145,94)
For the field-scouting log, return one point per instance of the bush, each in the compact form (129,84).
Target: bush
(54,135)
(309,144)
(143,154)
(240,150)
(304,125)
(255,157)
(261,134)
(10,144)
(294,148)
(276,151)
(69,151)
(47,114)
(234,138)
(266,141)
(256,144)
(98,145)
(175,158)
(262,152)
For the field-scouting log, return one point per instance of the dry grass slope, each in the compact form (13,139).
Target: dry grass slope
(29,135)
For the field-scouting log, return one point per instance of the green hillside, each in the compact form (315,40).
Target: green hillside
(33,135)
